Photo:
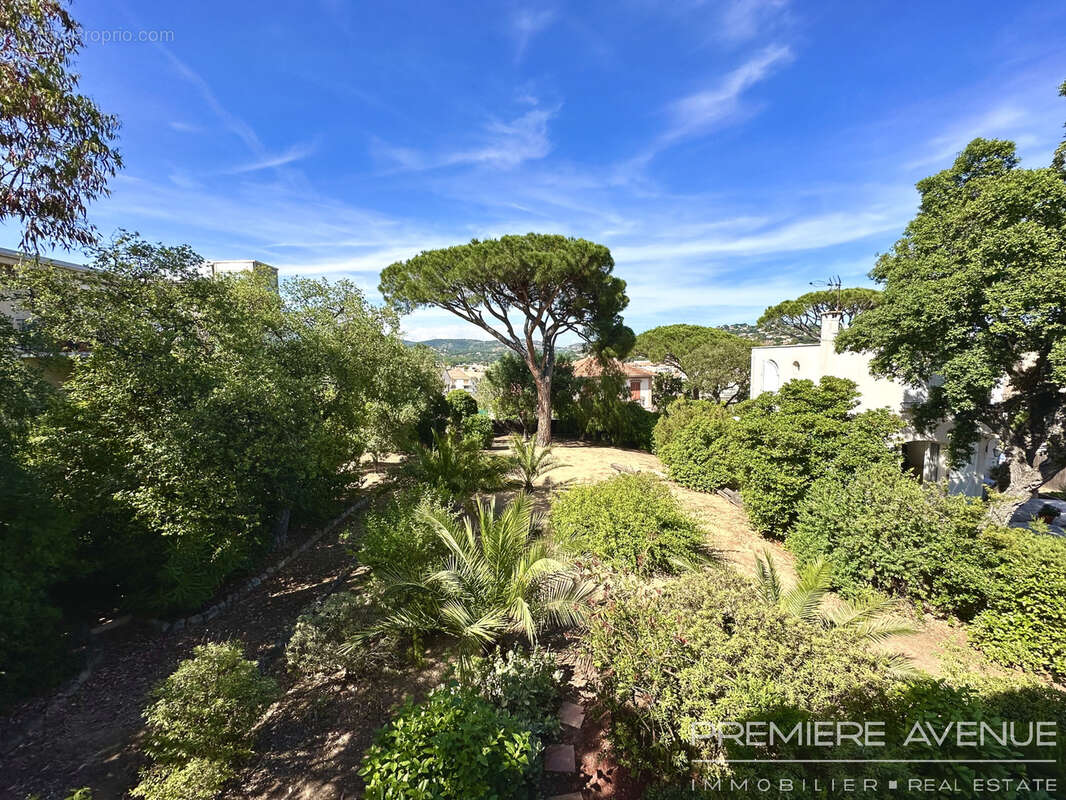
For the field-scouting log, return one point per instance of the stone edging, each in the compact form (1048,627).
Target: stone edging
(231,599)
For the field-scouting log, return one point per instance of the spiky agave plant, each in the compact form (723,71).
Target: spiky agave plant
(869,620)
(531,460)
(499,578)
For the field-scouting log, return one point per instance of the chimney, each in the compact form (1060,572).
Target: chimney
(830,326)
(827,345)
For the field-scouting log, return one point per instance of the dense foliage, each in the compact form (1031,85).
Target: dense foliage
(1024,624)
(975,292)
(706,647)
(455,468)
(452,746)
(783,441)
(549,284)
(57,145)
(692,438)
(461,404)
(885,529)
(36,545)
(400,534)
(200,723)
(206,411)
(526,685)
(603,412)
(631,522)
(478,429)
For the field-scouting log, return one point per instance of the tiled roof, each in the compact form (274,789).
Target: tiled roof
(589,367)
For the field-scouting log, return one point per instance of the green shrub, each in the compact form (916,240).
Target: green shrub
(784,441)
(197,779)
(706,647)
(478,428)
(452,746)
(524,684)
(632,522)
(457,468)
(398,536)
(1024,624)
(461,404)
(692,439)
(433,419)
(202,715)
(884,529)
(36,542)
(316,645)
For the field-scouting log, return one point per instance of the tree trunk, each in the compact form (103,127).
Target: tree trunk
(281,527)
(544,408)
(1026,478)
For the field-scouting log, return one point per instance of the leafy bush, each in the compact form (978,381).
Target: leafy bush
(197,779)
(707,647)
(200,722)
(692,440)
(784,441)
(316,645)
(885,529)
(524,684)
(477,428)
(461,404)
(206,412)
(1024,624)
(457,468)
(452,746)
(433,418)
(400,536)
(631,522)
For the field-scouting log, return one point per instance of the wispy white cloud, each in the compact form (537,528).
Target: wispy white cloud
(740,20)
(709,108)
(526,24)
(502,144)
(185,127)
(297,152)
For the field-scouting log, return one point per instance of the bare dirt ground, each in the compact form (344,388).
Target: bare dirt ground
(90,738)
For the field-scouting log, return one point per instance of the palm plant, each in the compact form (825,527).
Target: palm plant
(457,467)
(499,578)
(870,620)
(531,460)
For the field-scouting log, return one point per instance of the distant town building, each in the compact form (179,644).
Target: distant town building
(638,378)
(466,377)
(926,454)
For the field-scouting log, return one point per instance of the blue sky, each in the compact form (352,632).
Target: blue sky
(729,153)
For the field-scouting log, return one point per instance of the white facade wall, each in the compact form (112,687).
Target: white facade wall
(926,453)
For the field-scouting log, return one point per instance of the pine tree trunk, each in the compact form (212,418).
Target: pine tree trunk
(544,409)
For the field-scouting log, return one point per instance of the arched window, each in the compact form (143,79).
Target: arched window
(795,368)
(771,376)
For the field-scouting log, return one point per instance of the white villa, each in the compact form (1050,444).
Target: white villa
(925,454)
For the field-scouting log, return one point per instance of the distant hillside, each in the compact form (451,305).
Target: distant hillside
(474,351)
(759,334)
